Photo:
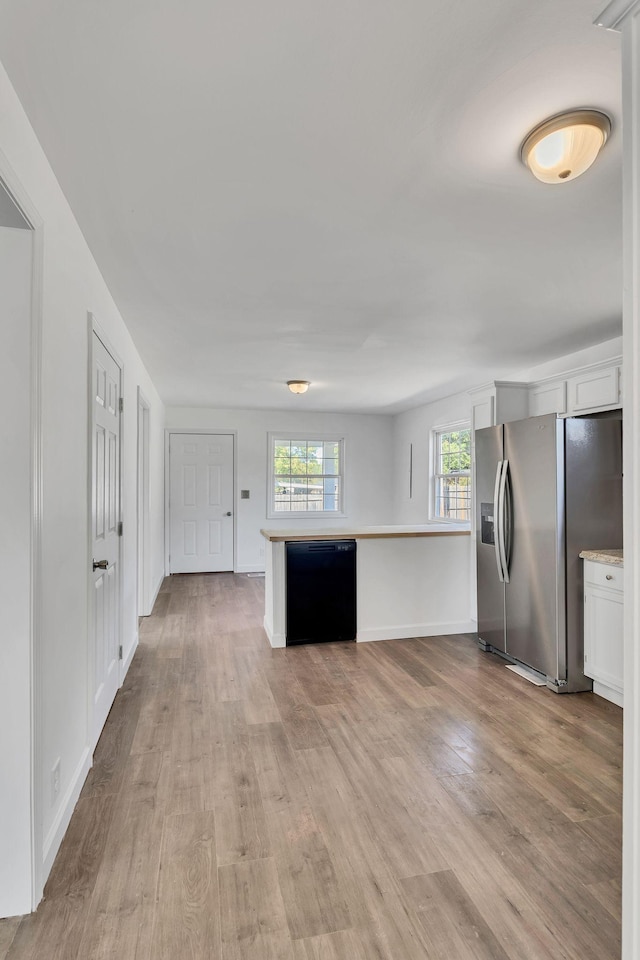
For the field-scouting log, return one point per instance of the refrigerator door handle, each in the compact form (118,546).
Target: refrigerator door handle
(504,525)
(508,518)
(497,523)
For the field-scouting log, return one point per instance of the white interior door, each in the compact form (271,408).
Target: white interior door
(106,539)
(200,503)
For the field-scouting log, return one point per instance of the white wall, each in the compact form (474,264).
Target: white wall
(15,567)
(412,504)
(414,428)
(71,286)
(368,477)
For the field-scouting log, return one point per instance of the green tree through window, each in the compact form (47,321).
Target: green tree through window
(452,475)
(307,476)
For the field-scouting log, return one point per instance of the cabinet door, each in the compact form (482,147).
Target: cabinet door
(548,398)
(483,413)
(603,633)
(594,390)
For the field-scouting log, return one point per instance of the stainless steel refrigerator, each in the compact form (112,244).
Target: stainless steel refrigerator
(546,488)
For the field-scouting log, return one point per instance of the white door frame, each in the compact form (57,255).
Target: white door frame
(167,516)
(624,16)
(24,204)
(94,328)
(143,516)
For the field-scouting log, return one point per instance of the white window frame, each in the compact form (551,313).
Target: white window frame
(285,436)
(434,476)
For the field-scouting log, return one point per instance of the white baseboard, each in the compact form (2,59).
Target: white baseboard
(156,592)
(408,630)
(275,639)
(59,826)
(249,568)
(403,632)
(613,696)
(126,662)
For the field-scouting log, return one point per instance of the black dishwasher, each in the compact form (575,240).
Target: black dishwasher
(321,591)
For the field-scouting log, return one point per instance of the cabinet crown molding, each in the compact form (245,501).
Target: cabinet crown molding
(486,388)
(577,371)
(492,384)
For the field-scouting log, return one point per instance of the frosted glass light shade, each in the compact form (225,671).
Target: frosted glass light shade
(563,147)
(298,386)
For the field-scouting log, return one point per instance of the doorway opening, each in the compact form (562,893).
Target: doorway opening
(144,553)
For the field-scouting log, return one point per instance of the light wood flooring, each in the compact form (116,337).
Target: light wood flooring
(401,800)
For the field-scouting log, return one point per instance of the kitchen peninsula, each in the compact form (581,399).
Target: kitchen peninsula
(412,581)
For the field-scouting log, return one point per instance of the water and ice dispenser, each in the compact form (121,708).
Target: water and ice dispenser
(486,523)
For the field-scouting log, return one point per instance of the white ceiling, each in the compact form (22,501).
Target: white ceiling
(329,190)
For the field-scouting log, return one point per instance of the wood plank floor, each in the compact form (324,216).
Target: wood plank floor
(401,800)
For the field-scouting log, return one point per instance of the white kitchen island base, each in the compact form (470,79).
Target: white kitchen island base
(411,581)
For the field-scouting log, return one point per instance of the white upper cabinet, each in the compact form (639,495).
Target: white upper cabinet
(590,390)
(548,398)
(594,390)
(483,412)
(498,402)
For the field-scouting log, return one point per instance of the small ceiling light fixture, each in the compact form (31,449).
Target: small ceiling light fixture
(566,145)
(298,386)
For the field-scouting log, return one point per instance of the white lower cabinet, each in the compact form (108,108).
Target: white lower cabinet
(603,629)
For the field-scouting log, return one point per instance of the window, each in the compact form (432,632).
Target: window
(306,476)
(452,473)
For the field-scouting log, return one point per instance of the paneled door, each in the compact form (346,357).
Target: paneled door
(105,533)
(200,503)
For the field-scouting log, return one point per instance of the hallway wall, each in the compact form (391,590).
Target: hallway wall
(15,565)
(72,286)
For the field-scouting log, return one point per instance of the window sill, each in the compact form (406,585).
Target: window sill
(457,523)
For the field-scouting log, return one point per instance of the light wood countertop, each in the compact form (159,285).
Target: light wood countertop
(366,533)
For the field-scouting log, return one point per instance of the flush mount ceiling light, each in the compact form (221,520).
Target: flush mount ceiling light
(566,145)
(298,386)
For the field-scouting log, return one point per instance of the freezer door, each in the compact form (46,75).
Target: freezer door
(535,609)
(488,455)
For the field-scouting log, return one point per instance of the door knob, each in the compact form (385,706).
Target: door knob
(228,513)
(100,564)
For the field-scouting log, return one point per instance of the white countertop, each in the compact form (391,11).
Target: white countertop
(364,533)
(604,556)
